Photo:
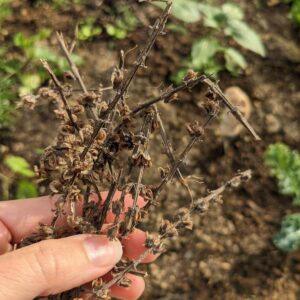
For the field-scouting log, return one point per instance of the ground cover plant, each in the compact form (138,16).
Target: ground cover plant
(105,144)
(227,19)
(284,165)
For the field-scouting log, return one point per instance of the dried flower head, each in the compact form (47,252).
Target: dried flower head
(28,102)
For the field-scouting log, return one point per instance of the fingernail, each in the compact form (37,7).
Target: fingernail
(102,252)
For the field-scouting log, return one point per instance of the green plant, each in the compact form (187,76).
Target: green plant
(5,9)
(123,24)
(284,165)
(25,50)
(288,238)
(33,50)
(58,4)
(205,53)
(295,9)
(19,175)
(88,29)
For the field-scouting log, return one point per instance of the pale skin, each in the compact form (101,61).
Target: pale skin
(54,266)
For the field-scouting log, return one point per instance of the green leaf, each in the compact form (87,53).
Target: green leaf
(177,28)
(116,32)
(42,34)
(11,66)
(245,36)
(288,238)
(18,165)
(21,41)
(202,52)
(44,53)
(234,60)
(295,11)
(184,10)
(232,11)
(212,68)
(213,16)
(26,189)
(284,165)
(178,76)
(29,83)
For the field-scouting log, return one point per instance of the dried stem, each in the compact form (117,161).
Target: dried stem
(169,151)
(181,158)
(200,206)
(233,109)
(75,72)
(190,84)
(107,202)
(157,29)
(61,93)
(168,94)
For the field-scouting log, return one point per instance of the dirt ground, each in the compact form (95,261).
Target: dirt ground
(229,254)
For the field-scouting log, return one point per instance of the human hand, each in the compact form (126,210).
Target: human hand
(56,265)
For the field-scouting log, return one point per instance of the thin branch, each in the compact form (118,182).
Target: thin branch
(191,83)
(197,207)
(169,151)
(61,93)
(107,202)
(181,158)
(75,71)
(168,94)
(157,29)
(233,109)
(131,213)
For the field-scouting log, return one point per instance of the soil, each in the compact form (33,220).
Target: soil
(229,254)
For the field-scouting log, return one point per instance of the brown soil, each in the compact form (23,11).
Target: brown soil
(229,254)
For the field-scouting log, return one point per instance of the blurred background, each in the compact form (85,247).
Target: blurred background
(248,248)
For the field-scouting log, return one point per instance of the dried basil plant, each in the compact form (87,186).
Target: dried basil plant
(103,144)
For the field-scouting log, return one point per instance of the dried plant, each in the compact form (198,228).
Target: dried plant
(90,155)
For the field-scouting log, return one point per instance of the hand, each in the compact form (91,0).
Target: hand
(54,266)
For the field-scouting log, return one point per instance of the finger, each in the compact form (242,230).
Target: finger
(5,238)
(21,217)
(53,266)
(133,292)
(133,246)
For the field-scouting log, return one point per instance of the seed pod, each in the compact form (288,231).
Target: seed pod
(172,98)
(55,187)
(87,99)
(194,129)
(184,218)
(163,172)
(167,229)
(125,282)
(101,107)
(49,94)
(117,77)
(28,102)
(201,206)
(101,136)
(77,109)
(191,75)
(141,159)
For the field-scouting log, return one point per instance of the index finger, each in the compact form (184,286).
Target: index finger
(21,217)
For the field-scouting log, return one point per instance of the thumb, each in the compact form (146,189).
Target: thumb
(53,266)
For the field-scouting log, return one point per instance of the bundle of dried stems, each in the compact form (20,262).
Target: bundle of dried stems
(88,156)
